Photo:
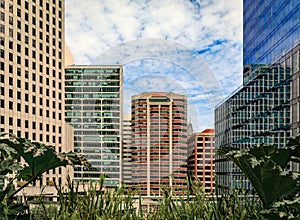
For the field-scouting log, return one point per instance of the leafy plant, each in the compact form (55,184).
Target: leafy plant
(38,158)
(81,200)
(266,167)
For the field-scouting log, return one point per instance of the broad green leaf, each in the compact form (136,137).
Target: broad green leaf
(264,166)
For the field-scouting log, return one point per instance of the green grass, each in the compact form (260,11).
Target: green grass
(94,202)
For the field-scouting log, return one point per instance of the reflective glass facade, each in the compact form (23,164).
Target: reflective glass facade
(265,109)
(94,109)
(270,28)
(259,112)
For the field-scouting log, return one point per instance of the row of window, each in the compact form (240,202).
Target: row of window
(25,108)
(19,123)
(42,137)
(33,88)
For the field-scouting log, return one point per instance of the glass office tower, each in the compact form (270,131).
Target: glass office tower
(94,109)
(270,28)
(265,109)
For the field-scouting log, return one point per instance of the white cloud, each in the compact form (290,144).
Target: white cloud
(209,27)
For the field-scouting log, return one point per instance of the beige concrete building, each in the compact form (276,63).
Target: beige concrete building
(32,75)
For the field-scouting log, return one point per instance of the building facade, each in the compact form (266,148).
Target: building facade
(94,109)
(201,158)
(259,112)
(159,142)
(265,109)
(32,76)
(269,29)
(127,151)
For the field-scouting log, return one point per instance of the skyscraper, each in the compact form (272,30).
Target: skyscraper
(271,36)
(201,158)
(127,150)
(266,108)
(159,143)
(32,75)
(94,109)
(269,29)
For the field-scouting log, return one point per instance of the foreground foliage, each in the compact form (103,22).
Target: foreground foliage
(267,168)
(38,158)
(94,201)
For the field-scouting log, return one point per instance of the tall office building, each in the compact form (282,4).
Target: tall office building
(32,75)
(94,109)
(127,151)
(270,28)
(266,108)
(159,143)
(201,158)
(259,112)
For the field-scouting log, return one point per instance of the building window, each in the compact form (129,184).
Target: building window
(2,66)
(19,83)
(2,3)
(11,20)
(26,97)
(2,16)
(2,28)
(2,41)
(11,93)
(10,121)
(10,104)
(19,15)
(10,57)
(11,32)
(33,99)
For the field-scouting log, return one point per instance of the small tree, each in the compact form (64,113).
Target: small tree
(38,158)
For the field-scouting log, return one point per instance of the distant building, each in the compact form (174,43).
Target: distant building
(94,109)
(127,150)
(265,109)
(190,129)
(159,144)
(201,158)
(32,79)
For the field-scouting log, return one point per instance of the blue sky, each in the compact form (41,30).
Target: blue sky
(187,47)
